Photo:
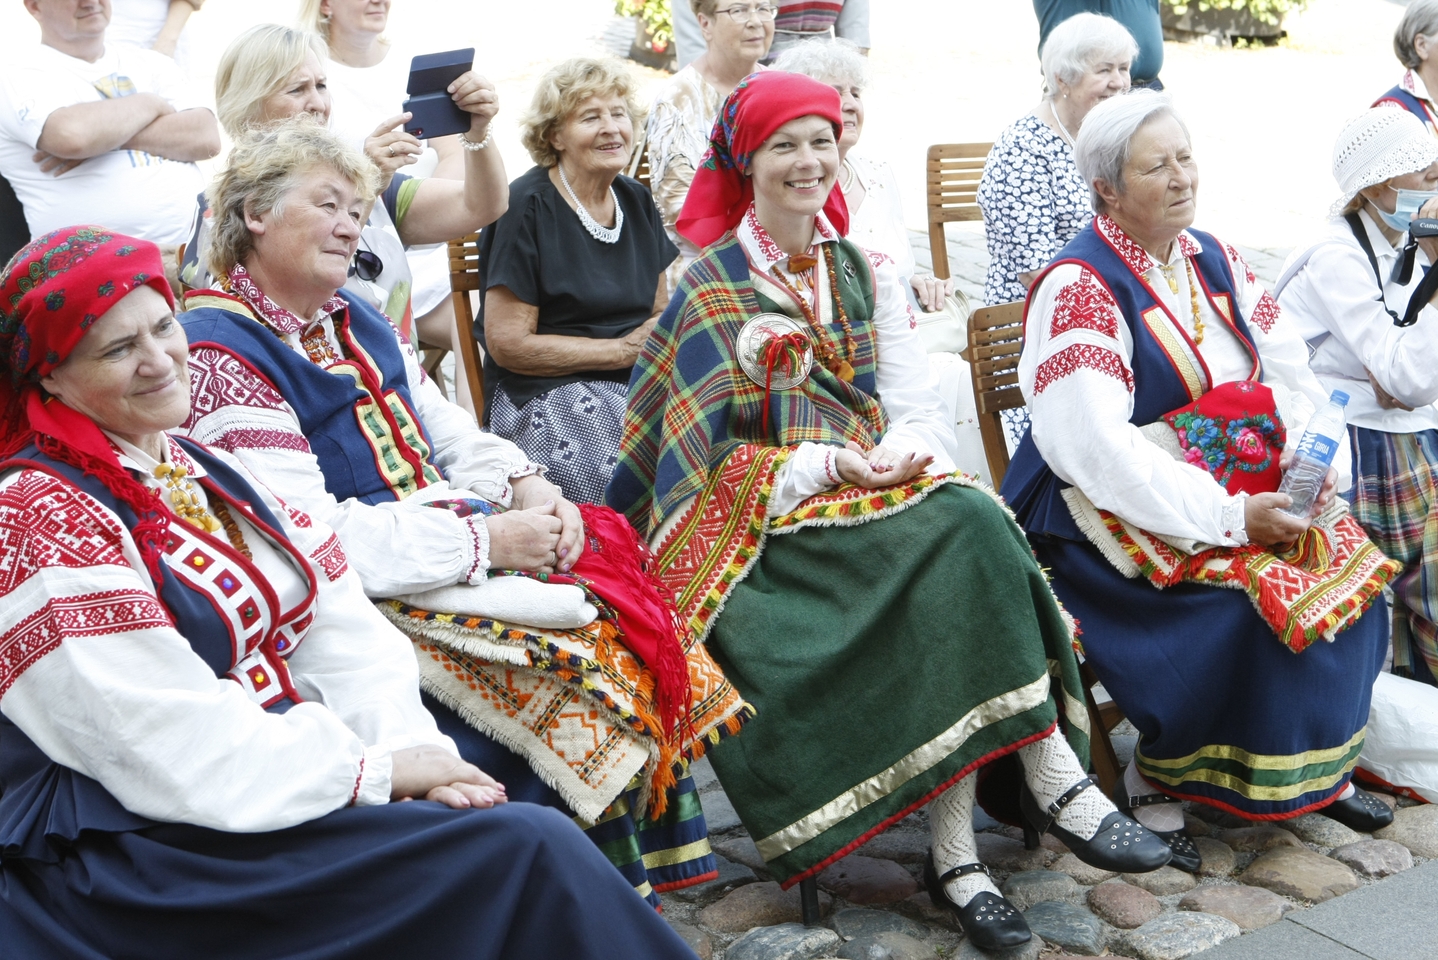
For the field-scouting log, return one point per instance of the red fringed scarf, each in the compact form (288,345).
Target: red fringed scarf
(50,294)
(619,567)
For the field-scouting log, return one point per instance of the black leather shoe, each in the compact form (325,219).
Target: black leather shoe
(1185,851)
(1121,843)
(988,920)
(1362,812)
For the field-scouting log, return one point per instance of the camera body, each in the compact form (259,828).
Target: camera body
(1423,227)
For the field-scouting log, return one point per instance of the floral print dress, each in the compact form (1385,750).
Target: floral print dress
(1034,202)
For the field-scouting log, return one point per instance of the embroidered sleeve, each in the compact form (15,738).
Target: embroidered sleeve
(232,407)
(48,526)
(1081,326)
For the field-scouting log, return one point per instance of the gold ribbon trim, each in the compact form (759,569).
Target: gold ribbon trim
(925,758)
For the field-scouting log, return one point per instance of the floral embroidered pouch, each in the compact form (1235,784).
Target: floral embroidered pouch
(1234,432)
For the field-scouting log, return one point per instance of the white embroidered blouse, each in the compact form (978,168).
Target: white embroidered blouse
(1075,374)
(93,671)
(400,547)
(1331,292)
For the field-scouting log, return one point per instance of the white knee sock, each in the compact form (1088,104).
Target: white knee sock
(1158,816)
(951,829)
(1050,768)
(1346,792)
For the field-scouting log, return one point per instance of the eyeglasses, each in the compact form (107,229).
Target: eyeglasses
(367,265)
(738,14)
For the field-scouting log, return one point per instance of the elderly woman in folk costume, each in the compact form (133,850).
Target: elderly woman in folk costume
(1166,388)
(884,616)
(1362,296)
(1415,43)
(202,722)
(313,390)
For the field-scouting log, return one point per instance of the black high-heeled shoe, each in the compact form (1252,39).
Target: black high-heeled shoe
(988,920)
(1120,844)
(1185,852)
(1362,812)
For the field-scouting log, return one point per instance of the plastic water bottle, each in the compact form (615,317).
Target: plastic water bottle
(1314,456)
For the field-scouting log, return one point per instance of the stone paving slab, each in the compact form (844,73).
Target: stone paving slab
(1393,919)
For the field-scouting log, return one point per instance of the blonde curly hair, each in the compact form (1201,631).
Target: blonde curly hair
(263,167)
(562,90)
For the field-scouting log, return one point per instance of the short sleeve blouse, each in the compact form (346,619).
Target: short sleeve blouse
(1034,202)
(583,287)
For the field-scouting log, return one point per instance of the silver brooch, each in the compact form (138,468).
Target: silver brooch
(756,334)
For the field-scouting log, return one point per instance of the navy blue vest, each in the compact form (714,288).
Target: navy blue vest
(40,800)
(358,415)
(1168,373)
(1408,102)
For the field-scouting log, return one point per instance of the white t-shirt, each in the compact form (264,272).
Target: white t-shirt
(126,190)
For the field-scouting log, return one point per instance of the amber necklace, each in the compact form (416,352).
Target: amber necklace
(1170,273)
(187,506)
(839,366)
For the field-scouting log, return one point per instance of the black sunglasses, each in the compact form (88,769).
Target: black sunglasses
(367,265)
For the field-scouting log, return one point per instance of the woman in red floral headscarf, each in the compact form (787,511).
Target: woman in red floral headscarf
(202,720)
(785,392)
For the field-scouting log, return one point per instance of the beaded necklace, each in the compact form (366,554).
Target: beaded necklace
(839,366)
(1171,275)
(187,506)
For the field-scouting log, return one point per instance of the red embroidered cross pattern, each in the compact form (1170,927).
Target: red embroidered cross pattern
(1085,304)
(1265,314)
(1081,356)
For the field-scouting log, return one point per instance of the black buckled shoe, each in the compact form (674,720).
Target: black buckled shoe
(1362,812)
(1121,843)
(988,920)
(1185,852)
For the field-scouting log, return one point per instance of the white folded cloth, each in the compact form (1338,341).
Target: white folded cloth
(513,600)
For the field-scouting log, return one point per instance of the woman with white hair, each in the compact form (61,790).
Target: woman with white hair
(1362,297)
(1034,200)
(1167,390)
(1415,43)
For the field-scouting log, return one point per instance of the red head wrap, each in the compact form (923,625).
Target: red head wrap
(50,294)
(762,103)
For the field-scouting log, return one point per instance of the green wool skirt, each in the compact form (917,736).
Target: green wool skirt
(886,660)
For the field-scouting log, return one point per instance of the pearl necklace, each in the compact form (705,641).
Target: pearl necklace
(596,230)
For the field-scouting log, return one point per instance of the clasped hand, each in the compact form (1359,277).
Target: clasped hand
(1263,516)
(542,533)
(879,467)
(432,773)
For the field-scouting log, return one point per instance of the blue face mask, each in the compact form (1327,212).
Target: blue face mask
(1406,207)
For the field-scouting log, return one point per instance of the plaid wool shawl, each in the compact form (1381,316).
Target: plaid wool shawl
(691,405)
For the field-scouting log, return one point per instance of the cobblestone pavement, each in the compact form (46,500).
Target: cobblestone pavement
(1253,875)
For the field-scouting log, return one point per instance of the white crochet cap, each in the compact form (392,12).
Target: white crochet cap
(1377,145)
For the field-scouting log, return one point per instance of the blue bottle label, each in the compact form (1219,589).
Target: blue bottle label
(1319,447)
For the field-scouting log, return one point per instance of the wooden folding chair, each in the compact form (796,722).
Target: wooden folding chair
(464,279)
(639,166)
(996,338)
(954,171)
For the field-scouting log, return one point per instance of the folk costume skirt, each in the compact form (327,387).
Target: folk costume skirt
(654,855)
(1227,715)
(1395,499)
(886,660)
(403,880)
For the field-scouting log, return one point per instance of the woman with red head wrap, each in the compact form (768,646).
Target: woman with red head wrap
(883,613)
(202,719)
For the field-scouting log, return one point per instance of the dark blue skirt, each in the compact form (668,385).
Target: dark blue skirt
(1227,715)
(403,880)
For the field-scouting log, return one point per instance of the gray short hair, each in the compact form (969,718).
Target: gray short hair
(263,166)
(1102,149)
(1081,41)
(831,60)
(1420,17)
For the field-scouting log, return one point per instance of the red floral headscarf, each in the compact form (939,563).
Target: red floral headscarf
(762,103)
(51,292)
